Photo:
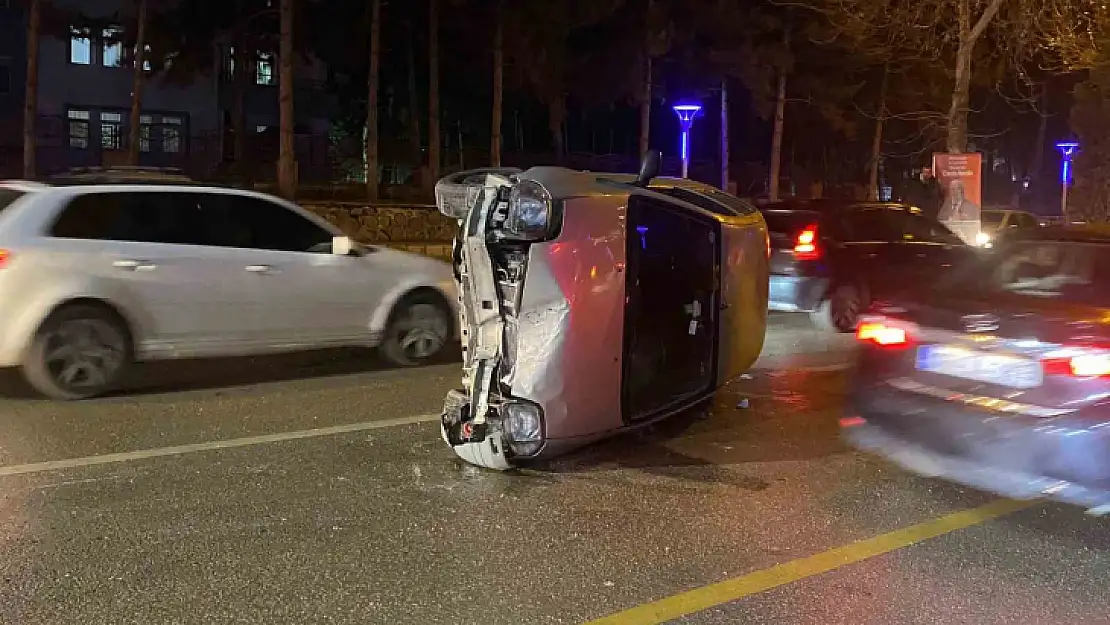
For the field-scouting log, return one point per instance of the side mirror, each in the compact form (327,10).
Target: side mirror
(342,246)
(649,168)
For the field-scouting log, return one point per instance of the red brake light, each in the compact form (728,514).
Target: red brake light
(5,256)
(882,334)
(805,247)
(1087,364)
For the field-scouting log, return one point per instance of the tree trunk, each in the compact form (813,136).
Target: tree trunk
(877,141)
(725,156)
(137,87)
(498,87)
(776,139)
(287,164)
(434,139)
(414,105)
(645,97)
(30,104)
(372,101)
(241,73)
(1037,166)
(961,93)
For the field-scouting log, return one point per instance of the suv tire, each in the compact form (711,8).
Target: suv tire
(80,351)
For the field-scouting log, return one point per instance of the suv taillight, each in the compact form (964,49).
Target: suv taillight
(805,246)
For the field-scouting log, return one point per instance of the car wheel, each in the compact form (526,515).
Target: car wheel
(81,351)
(417,331)
(841,311)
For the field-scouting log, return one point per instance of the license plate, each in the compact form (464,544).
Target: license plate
(969,364)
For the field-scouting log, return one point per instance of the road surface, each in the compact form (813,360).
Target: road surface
(315,489)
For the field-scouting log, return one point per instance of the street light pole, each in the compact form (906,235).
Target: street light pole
(1067,151)
(686,114)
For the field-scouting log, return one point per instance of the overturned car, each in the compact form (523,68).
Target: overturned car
(594,303)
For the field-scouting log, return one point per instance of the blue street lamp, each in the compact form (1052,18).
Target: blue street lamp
(686,114)
(1067,151)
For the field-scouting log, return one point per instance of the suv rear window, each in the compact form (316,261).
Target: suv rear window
(789,222)
(992,219)
(9,196)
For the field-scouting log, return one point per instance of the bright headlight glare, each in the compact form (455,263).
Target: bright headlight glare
(455,200)
(530,207)
(982,238)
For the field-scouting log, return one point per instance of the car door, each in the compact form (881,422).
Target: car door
(305,296)
(146,249)
(925,249)
(862,247)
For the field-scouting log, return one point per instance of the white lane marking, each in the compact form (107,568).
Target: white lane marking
(142,454)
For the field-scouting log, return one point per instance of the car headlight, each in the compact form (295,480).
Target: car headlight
(982,239)
(522,427)
(530,211)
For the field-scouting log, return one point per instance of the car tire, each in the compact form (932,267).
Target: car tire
(418,329)
(840,311)
(81,351)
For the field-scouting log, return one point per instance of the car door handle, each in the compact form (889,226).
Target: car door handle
(264,269)
(131,264)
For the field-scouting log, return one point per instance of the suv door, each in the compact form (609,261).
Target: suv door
(863,238)
(151,252)
(305,296)
(925,249)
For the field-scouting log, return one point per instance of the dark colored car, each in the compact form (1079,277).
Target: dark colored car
(832,258)
(998,378)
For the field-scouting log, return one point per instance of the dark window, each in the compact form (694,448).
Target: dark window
(149,217)
(789,222)
(1027,221)
(78,128)
(8,197)
(274,227)
(869,225)
(5,79)
(916,228)
(111,131)
(992,219)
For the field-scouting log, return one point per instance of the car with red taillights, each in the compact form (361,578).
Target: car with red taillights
(999,376)
(831,258)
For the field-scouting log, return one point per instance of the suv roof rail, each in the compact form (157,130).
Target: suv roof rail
(122,175)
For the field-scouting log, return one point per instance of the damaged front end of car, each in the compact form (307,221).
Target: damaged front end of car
(499,217)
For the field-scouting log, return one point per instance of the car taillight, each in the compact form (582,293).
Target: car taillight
(1083,363)
(5,256)
(882,334)
(805,246)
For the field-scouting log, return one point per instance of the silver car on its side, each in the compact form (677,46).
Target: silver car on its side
(96,276)
(595,303)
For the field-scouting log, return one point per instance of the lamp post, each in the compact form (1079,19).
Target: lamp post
(686,114)
(1067,151)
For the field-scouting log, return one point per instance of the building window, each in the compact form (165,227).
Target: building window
(144,132)
(80,46)
(78,129)
(146,57)
(265,75)
(111,47)
(111,131)
(171,134)
(260,129)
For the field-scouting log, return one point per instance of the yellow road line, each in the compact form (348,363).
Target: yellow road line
(698,599)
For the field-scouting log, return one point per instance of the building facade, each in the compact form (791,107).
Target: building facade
(13,77)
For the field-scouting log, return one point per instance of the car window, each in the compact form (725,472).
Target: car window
(1027,221)
(143,216)
(1047,269)
(275,227)
(869,225)
(992,219)
(8,197)
(916,228)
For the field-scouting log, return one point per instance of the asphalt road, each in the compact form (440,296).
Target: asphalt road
(315,489)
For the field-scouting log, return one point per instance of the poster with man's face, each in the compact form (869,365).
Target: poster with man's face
(960,179)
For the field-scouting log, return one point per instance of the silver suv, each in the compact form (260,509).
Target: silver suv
(94,277)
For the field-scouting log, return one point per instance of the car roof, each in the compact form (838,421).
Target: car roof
(1087,233)
(121,175)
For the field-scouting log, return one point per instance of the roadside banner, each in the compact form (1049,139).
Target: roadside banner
(961,182)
